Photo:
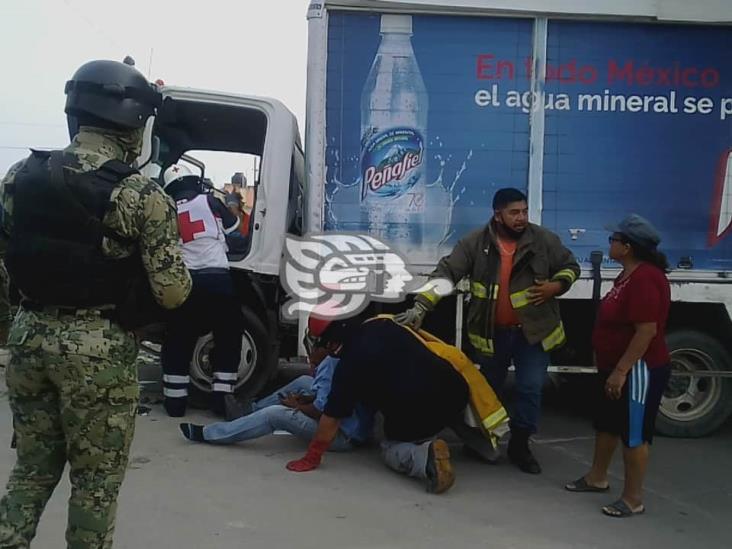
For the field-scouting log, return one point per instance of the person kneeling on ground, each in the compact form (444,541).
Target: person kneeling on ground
(294,408)
(389,368)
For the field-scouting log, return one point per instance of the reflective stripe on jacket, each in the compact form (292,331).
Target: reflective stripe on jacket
(540,255)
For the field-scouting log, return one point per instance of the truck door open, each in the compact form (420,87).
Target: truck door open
(208,124)
(217,131)
(221,134)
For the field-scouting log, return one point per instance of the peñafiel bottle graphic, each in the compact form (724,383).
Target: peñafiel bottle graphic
(394,107)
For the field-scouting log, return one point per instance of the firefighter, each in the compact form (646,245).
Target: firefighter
(516,270)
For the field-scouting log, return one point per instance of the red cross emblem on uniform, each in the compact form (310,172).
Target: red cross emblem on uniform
(188,228)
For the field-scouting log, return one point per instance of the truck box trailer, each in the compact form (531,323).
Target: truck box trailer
(417,111)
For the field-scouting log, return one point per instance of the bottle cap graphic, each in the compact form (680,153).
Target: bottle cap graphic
(401,24)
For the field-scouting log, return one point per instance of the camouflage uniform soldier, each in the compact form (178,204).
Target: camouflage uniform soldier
(72,378)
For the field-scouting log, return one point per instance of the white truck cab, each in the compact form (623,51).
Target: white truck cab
(197,120)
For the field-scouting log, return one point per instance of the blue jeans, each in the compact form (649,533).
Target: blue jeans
(531,362)
(266,421)
(408,458)
(302,384)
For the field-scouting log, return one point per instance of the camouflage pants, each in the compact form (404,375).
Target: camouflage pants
(73,392)
(5,316)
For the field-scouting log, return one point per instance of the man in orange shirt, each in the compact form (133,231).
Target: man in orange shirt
(516,270)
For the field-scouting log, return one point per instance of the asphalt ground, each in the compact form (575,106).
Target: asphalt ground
(183,495)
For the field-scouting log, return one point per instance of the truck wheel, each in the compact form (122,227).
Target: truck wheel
(694,406)
(255,366)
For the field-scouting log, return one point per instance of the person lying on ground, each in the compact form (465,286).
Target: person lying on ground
(295,408)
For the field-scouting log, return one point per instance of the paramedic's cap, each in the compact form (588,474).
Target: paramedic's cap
(401,24)
(638,229)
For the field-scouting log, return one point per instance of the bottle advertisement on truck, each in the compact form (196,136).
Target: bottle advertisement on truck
(427,116)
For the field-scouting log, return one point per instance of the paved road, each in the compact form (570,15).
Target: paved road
(182,495)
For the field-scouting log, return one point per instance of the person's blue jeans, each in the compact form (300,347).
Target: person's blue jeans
(531,363)
(409,458)
(302,384)
(267,420)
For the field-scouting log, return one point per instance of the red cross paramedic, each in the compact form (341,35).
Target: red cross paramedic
(203,222)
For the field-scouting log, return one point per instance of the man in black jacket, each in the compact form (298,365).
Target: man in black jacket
(516,270)
(386,368)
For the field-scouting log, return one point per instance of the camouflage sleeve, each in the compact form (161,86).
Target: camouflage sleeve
(169,278)
(5,310)
(6,212)
(6,204)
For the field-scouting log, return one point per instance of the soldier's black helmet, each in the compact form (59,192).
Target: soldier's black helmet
(111,95)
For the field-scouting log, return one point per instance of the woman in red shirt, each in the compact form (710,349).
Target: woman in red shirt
(632,362)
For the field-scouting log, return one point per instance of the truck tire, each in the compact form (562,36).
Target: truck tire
(255,367)
(694,406)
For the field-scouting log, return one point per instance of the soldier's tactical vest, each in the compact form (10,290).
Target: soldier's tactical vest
(54,255)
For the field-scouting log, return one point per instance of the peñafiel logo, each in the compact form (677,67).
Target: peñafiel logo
(338,274)
(391,162)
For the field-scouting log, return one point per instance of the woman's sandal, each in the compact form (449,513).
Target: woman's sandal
(620,509)
(581,485)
